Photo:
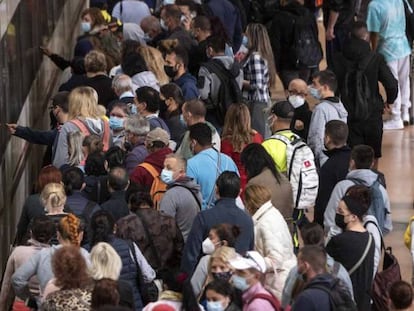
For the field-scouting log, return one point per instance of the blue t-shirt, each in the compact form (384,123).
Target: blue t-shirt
(387,18)
(204,168)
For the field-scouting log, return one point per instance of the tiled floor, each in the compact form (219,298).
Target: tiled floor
(398,167)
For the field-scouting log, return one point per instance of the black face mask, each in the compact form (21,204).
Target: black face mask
(340,221)
(170,71)
(127,146)
(225,276)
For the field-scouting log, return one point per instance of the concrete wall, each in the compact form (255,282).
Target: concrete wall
(27,81)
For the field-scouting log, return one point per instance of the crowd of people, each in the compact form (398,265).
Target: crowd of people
(172,182)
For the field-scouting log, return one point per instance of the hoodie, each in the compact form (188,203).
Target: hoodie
(314,299)
(145,78)
(188,85)
(182,200)
(95,126)
(330,108)
(368,177)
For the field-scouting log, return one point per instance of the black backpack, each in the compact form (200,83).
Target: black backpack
(339,296)
(306,46)
(229,90)
(355,93)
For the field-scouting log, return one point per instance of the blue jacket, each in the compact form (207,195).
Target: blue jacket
(224,211)
(117,205)
(188,84)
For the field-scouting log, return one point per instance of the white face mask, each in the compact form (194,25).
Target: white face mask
(208,246)
(296,100)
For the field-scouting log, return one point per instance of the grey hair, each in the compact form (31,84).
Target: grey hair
(181,161)
(75,140)
(122,83)
(137,125)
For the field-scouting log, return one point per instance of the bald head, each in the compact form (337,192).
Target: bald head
(298,87)
(151,26)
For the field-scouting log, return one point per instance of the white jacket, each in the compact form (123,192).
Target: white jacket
(274,242)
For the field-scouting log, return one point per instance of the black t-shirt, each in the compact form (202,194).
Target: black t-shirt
(347,248)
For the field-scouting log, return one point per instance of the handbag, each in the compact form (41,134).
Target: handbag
(148,291)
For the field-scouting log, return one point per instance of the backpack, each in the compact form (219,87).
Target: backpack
(306,46)
(301,171)
(229,90)
(268,297)
(158,187)
(85,131)
(339,296)
(262,11)
(408,233)
(377,207)
(355,92)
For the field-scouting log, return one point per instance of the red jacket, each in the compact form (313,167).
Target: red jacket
(141,176)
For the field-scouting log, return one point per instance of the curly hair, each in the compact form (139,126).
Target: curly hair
(101,226)
(70,228)
(237,126)
(69,268)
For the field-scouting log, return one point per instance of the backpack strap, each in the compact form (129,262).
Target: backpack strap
(82,126)
(364,255)
(151,169)
(328,291)
(87,211)
(85,131)
(189,189)
(268,297)
(379,230)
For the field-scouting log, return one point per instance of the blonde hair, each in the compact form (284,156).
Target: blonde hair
(75,141)
(95,61)
(155,63)
(255,196)
(259,42)
(237,126)
(83,103)
(223,253)
(53,196)
(105,262)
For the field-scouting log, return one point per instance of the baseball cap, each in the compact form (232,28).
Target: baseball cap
(61,99)
(283,110)
(158,134)
(252,259)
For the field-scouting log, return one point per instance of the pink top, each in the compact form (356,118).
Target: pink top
(257,304)
(227,148)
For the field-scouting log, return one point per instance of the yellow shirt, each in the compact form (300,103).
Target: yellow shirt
(277,150)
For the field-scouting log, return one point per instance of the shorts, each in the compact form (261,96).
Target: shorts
(366,133)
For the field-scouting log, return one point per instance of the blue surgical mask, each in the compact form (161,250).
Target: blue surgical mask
(245,41)
(239,282)
(214,306)
(163,25)
(165,2)
(315,93)
(146,37)
(86,26)
(228,51)
(167,176)
(116,123)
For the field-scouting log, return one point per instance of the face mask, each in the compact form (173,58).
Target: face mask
(182,121)
(296,101)
(340,221)
(170,71)
(86,26)
(315,93)
(165,2)
(245,41)
(225,276)
(146,37)
(167,176)
(163,25)
(228,51)
(116,123)
(240,282)
(134,109)
(127,146)
(208,246)
(214,306)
